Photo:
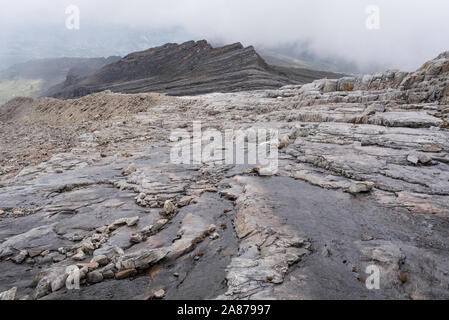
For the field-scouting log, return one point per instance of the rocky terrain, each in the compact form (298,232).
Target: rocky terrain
(190,68)
(363,179)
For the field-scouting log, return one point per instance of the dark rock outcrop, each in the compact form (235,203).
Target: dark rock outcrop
(187,69)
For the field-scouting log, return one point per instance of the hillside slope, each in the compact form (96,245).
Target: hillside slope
(190,68)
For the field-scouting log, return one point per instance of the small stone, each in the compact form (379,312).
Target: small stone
(1,212)
(34,252)
(108,267)
(101,229)
(431,148)
(132,221)
(79,256)
(109,274)
(366,237)
(44,253)
(416,158)
(43,288)
(76,237)
(284,142)
(91,266)
(176,274)
(135,238)
(266,171)
(20,257)
(94,277)
(131,168)
(8,295)
(58,283)
(185,201)
(214,236)
(102,260)
(159,224)
(87,244)
(83,272)
(58,257)
(122,221)
(159,294)
(169,207)
(147,230)
(413,158)
(360,187)
(119,251)
(97,237)
(125,274)
(45,260)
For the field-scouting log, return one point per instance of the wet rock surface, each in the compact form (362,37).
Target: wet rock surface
(362,180)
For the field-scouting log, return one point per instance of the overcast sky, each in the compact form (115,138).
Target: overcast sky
(411,31)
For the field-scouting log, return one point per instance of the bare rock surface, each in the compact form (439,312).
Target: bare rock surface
(362,179)
(185,69)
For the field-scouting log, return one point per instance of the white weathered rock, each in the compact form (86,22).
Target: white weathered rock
(185,201)
(159,294)
(169,207)
(267,171)
(122,221)
(130,169)
(141,259)
(19,258)
(416,157)
(214,236)
(8,295)
(58,283)
(79,256)
(102,260)
(360,187)
(132,221)
(135,238)
(284,142)
(87,245)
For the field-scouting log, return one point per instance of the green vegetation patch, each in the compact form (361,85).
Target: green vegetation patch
(10,89)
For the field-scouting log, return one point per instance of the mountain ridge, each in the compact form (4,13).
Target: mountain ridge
(190,68)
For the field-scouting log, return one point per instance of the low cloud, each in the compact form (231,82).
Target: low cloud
(410,33)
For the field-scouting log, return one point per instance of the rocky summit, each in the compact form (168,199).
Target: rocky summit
(362,184)
(190,68)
